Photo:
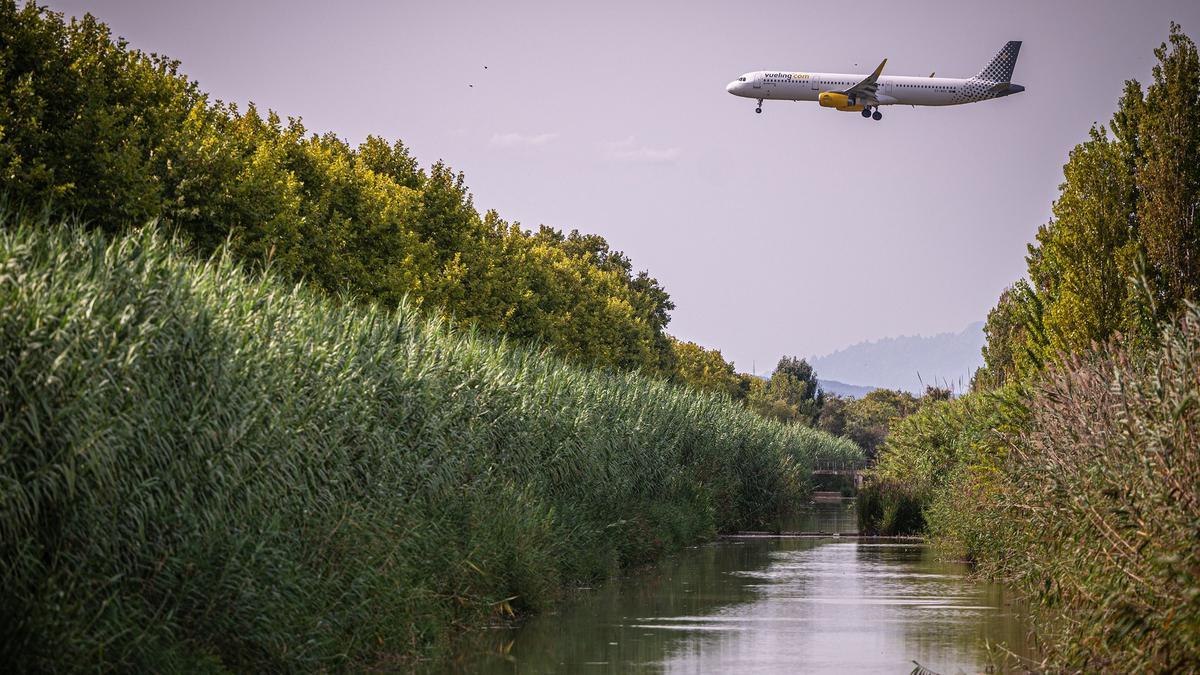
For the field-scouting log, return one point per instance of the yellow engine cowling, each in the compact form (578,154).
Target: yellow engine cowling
(832,99)
(840,102)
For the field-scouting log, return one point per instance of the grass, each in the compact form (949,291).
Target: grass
(1081,490)
(201,469)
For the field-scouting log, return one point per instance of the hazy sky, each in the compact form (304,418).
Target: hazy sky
(798,231)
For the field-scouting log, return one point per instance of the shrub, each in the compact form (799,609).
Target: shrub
(1106,487)
(887,508)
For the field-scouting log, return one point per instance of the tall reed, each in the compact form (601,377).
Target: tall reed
(203,468)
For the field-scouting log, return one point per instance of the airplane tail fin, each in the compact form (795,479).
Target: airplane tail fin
(1001,67)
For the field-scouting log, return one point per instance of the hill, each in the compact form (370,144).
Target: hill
(846,390)
(908,362)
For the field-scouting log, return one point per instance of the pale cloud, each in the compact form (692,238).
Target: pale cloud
(629,150)
(515,140)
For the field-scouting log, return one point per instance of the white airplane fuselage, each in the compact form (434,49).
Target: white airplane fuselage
(865,93)
(893,89)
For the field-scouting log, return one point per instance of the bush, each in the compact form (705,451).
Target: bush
(1083,491)
(1105,485)
(931,457)
(887,508)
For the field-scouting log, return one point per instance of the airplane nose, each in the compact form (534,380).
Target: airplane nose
(732,87)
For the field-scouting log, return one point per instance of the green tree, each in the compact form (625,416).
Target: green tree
(867,420)
(1016,341)
(84,122)
(1169,172)
(793,393)
(706,369)
(120,139)
(1087,252)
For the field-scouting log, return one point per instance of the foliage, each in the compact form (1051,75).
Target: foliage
(1128,209)
(204,469)
(1084,257)
(888,509)
(707,370)
(1016,339)
(1104,491)
(1168,173)
(793,394)
(121,138)
(866,420)
(1072,468)
(924,449)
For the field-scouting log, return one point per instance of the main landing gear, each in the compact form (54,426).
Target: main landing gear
(759,108)
(873,113)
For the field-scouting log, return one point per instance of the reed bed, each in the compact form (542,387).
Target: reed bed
(204,469)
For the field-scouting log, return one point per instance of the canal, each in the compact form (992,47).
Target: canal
(766,605)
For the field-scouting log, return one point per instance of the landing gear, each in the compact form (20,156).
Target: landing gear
(866,112)
(876,115)
(759,108)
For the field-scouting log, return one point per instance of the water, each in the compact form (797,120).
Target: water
(768,605)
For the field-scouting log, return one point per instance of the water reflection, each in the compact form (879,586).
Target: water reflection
(767,605)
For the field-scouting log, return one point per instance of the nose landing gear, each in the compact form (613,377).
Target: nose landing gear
(759,108)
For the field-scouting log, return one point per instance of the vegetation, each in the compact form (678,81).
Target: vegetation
(793,393)
(1071,469)
(1108,479)
(888,508)
(201,468)
(707,370)
(866,420)
(341,473)
(120,138)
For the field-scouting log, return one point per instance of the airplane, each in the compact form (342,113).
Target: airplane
(865,94)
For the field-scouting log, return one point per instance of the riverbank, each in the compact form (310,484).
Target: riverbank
(1080,489)
(286,482)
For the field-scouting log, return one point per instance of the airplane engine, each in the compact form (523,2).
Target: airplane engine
(832,99)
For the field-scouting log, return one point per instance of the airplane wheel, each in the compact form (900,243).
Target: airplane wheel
(866,112)
(876,115)
(758,110)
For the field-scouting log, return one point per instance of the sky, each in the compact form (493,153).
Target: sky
(798,231)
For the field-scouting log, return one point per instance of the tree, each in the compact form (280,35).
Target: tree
(706,369)
(393,161)
(1016,341)
(1122,252)
(867,420)
(120,139)
(1168,172)
(1087,253)
(793,393)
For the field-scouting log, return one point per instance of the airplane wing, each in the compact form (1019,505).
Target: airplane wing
(864,92)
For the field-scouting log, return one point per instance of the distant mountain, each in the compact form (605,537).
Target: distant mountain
(908,362)
(843,389)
